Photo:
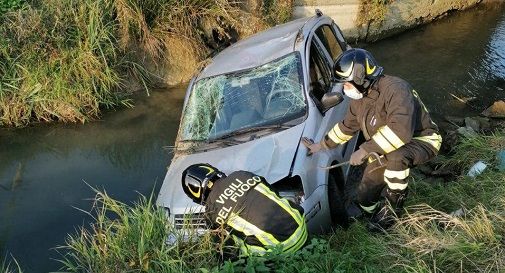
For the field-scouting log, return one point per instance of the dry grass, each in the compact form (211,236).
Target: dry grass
(67,60)
(441,242)
(372,11)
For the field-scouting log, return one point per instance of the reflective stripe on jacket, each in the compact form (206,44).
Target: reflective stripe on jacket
(256,217)
(390,115)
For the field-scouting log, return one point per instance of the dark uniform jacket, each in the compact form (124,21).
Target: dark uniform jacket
(390,115)
(257,218)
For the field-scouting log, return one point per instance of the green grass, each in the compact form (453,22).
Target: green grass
(68,60)
(60,62)
(277,11)
(372,11)
(9,5)
(132,239)
(427,239)
(10,266)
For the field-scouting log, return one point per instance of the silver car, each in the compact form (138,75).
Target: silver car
(250,107)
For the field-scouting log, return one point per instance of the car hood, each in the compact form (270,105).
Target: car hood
(270,156)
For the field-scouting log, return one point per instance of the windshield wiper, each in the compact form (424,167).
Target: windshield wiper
(250,130)
(199,142)
(229,140)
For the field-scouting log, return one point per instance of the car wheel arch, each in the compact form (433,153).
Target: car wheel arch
(337,197)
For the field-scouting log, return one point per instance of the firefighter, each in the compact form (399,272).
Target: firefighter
(245,206)
(396,125)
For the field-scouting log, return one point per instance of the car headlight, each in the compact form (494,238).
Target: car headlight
(290,188)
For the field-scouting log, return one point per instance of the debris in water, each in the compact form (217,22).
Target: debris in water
(464,100)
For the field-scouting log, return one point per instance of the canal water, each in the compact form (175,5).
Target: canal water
(46,171)
(463,55)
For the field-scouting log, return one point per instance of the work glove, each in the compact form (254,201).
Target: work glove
(358,157)
(311,146)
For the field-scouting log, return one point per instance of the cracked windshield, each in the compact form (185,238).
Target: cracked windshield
(265,95)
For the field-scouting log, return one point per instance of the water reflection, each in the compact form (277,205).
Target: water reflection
(43,169)
(463,54)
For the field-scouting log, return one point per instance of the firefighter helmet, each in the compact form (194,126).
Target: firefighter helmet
(357,66)
(198,179)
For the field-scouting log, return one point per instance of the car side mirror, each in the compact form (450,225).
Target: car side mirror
(332,98)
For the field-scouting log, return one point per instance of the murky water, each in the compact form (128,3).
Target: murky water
(463,55)
(44,169)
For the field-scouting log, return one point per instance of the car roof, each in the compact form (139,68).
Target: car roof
(258,49)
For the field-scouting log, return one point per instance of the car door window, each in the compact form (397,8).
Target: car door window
(329,41)
(319,72)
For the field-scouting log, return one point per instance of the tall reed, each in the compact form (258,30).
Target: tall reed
(134,239)
(67,60)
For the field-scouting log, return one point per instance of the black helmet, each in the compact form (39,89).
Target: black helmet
(357,66)
(198,179)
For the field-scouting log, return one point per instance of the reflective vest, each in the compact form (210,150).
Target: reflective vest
(390,115)
(256,217)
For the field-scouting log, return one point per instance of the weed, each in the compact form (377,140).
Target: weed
(68,60)
(372,11)
(277,12)
(428,238)
(469,150)
(8,267)
(133,239)
(9,5)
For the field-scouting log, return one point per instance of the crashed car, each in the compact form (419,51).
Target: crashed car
(248,110)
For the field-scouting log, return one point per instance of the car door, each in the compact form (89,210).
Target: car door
(325,47)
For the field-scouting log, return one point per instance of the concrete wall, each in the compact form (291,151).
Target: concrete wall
(400,15)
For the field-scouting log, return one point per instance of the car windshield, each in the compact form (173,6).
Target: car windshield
(265,95)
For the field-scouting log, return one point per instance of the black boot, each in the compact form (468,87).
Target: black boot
(390,208)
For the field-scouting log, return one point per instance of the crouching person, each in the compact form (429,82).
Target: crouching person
(396,125)
(243,204)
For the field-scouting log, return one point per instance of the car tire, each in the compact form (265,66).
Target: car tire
(336,202)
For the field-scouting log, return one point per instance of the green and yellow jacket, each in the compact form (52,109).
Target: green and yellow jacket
(256,217)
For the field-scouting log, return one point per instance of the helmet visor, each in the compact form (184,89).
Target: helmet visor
(194,186)
(343,68)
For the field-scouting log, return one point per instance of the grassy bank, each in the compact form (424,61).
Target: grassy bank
(68,60)
(428,238)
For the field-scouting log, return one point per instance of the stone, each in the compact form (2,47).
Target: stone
(472,123)
(466,132)
(484,123)
(497,110)
(455,120)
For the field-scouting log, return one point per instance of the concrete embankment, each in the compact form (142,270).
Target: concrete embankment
(398,16)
